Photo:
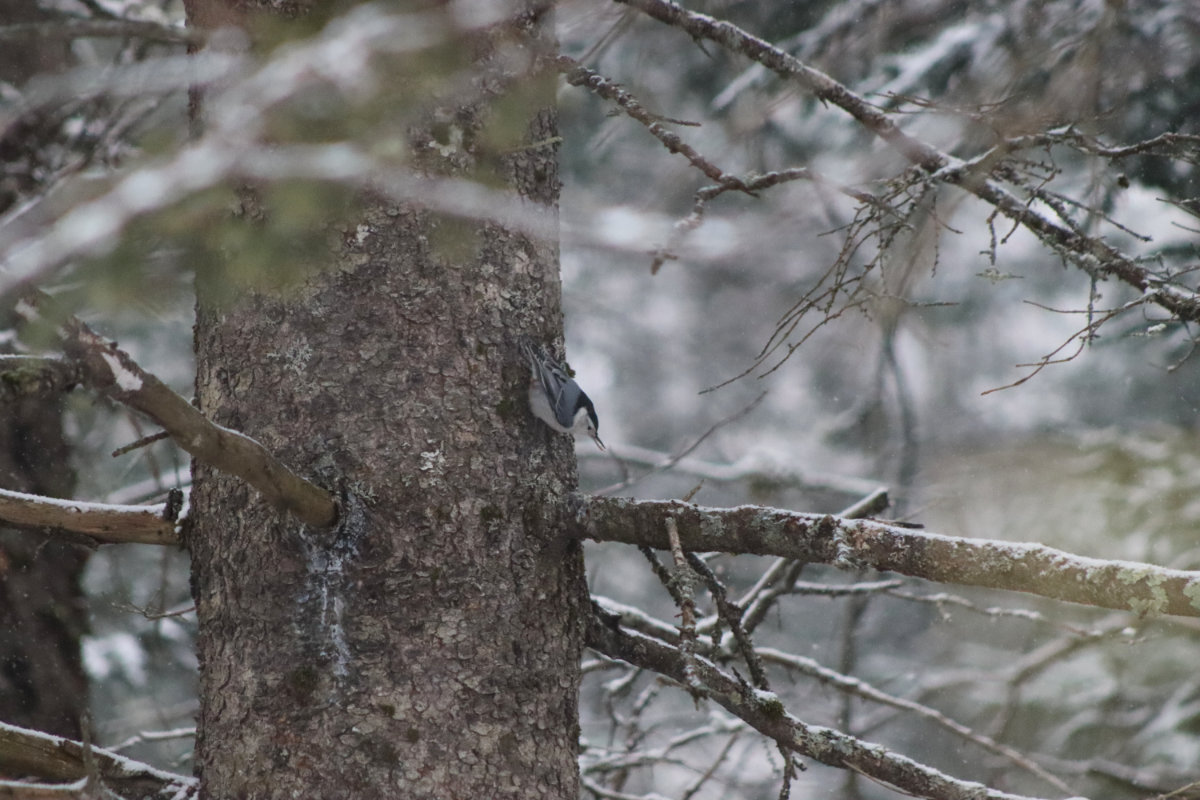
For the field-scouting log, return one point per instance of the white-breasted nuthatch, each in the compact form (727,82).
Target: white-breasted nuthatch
(556,399)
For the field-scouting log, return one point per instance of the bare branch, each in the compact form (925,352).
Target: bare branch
(731,615)
(1090,254)
(941,599)
(1182,145)
(637,620)
(1083,336)
(857,544)
(754,467)
(578,75)
(704,195)
(864,690)
(662,462)
(764,712)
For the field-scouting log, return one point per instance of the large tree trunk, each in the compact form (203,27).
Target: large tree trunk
(429,645)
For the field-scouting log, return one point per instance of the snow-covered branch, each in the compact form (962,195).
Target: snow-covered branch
(868,544)
(106,368)
(25,752)
(92,28)
(115,524)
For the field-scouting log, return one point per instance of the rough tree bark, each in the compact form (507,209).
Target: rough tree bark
(427,645)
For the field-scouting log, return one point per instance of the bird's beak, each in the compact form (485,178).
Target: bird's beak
(599,443)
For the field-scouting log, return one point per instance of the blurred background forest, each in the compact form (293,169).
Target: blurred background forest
(1097,455)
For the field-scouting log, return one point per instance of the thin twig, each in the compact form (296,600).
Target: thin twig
(579,75)
(671,461)
(731,615)
(1084,336)
(687,610)
(142,442)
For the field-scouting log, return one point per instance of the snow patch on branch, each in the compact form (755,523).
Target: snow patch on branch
(126,379)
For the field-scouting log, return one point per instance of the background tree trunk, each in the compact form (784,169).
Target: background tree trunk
(429,645)
(42,610)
